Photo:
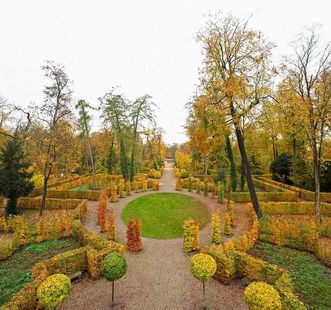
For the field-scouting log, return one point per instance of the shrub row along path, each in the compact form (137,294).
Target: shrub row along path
(158,277)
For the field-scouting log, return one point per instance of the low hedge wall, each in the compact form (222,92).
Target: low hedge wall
(87,258)
(72,194)
(304,194)
(294,208)
(237,264)
(264,196)
(62,193)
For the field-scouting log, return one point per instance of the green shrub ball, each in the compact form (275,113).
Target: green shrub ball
(113,266)
(53,290)
(203,266)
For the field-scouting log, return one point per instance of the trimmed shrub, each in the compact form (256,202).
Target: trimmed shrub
(216,227)
(203,267)
(262,296)
(226,270)
(227,223)
(128,188)
(220,192)
(114,197)
(191,240)
(111,228)
(54,290)
(25,299)
(113,268)
(134,242)
(230,210)
(205,188)
(102,210)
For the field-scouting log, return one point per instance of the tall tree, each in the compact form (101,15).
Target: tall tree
(14,176)
(142,109)
(310,77)
(114,113)
(236,75)
(84,126)
(56,109)
(233,168)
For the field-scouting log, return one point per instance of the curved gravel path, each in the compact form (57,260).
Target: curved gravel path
(158,277)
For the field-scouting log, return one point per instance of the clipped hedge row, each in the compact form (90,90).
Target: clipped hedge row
(294,208)
(299,232)
(304,194)
(236,264)
(63,192)
(265,196)
(37,191)
(87,258)
(72,194)
(23,233)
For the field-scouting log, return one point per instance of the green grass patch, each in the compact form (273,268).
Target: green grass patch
(162,214)
(311,279)
(82,188)
(15,272)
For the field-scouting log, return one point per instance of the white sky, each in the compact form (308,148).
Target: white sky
(143,46)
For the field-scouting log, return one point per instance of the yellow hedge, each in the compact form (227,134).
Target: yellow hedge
(25,299)
(294,208)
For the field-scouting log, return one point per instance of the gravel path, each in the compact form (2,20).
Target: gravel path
(158,277)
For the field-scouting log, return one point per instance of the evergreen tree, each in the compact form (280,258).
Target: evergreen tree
(14,177)
(233,169)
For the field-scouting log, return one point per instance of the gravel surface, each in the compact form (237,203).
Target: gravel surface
(158,277)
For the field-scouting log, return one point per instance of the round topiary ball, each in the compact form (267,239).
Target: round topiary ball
(113,266)
(203,266)
(53,290)
(262,296)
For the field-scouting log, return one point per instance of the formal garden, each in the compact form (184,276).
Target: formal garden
(236,217)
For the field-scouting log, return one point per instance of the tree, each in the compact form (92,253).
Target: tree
(203,267)
(141,110)
(281,167)
(84,126)
(55,110)
(233,168)
(114,108)
(14,176)
(113,267)
(309,76)
(236,75)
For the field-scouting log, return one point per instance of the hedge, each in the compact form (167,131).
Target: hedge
(264,196)
(87,258)
(72,194)
(294,208)
(78,206)
(304,194)
(237,264)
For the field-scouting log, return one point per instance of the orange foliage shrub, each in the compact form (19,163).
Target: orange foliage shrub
(134,242)
(102,210)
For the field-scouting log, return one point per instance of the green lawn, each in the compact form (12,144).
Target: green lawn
(311,279)
(83,187)
(16,271)
(162,214)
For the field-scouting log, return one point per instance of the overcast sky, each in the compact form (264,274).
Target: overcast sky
(143,46)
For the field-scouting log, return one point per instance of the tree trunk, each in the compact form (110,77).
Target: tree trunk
(112,292)
(11,206)
(241,145)
(205,165)
(94,181)
(43,199)
(317,185)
